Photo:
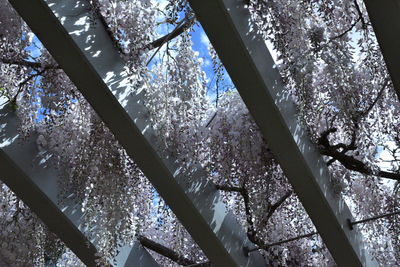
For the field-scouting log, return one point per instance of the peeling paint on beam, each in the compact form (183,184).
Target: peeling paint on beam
(91,61)
(251,68)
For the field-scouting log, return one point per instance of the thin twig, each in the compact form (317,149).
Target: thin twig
(359,12)
(21,84)
(385,83)
(168,37)
(345,32)
(29,64)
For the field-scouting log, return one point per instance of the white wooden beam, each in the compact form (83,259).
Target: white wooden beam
(385,19)
(37,187)
(88,57)
(251,67)
(35,181)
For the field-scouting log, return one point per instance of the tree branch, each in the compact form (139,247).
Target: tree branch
(28,64)
(229,188)
(182,26)
(346,31)
(349,162)
(278,203)
(359,12)
(251,231)
(21,84)
(164,251)
(175,33)
(385,83)
(168,37)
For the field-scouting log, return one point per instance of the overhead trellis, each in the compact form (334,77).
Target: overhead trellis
(98,71)
(94,59)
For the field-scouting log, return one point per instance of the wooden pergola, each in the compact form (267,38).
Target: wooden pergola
(89,58)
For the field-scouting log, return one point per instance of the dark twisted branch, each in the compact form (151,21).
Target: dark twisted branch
(360,18)
(164,251)
(356,119)
(338,152)
(180,28)
(38,67)
(201,264)
(278,243)
(230,188)
(251,231)
(357,6)
(167,38)
(41,69)
(277,204)
(346,31)
(28,64)
(24,82)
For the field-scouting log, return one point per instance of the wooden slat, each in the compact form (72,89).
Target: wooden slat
(88,57)
(251,67)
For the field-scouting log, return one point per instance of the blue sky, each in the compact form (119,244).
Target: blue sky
(200,44)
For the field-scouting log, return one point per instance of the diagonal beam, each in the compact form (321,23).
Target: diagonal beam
(134,256)
(251,68)
(34,180)
(385,18)
(37,187)
(87,55)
